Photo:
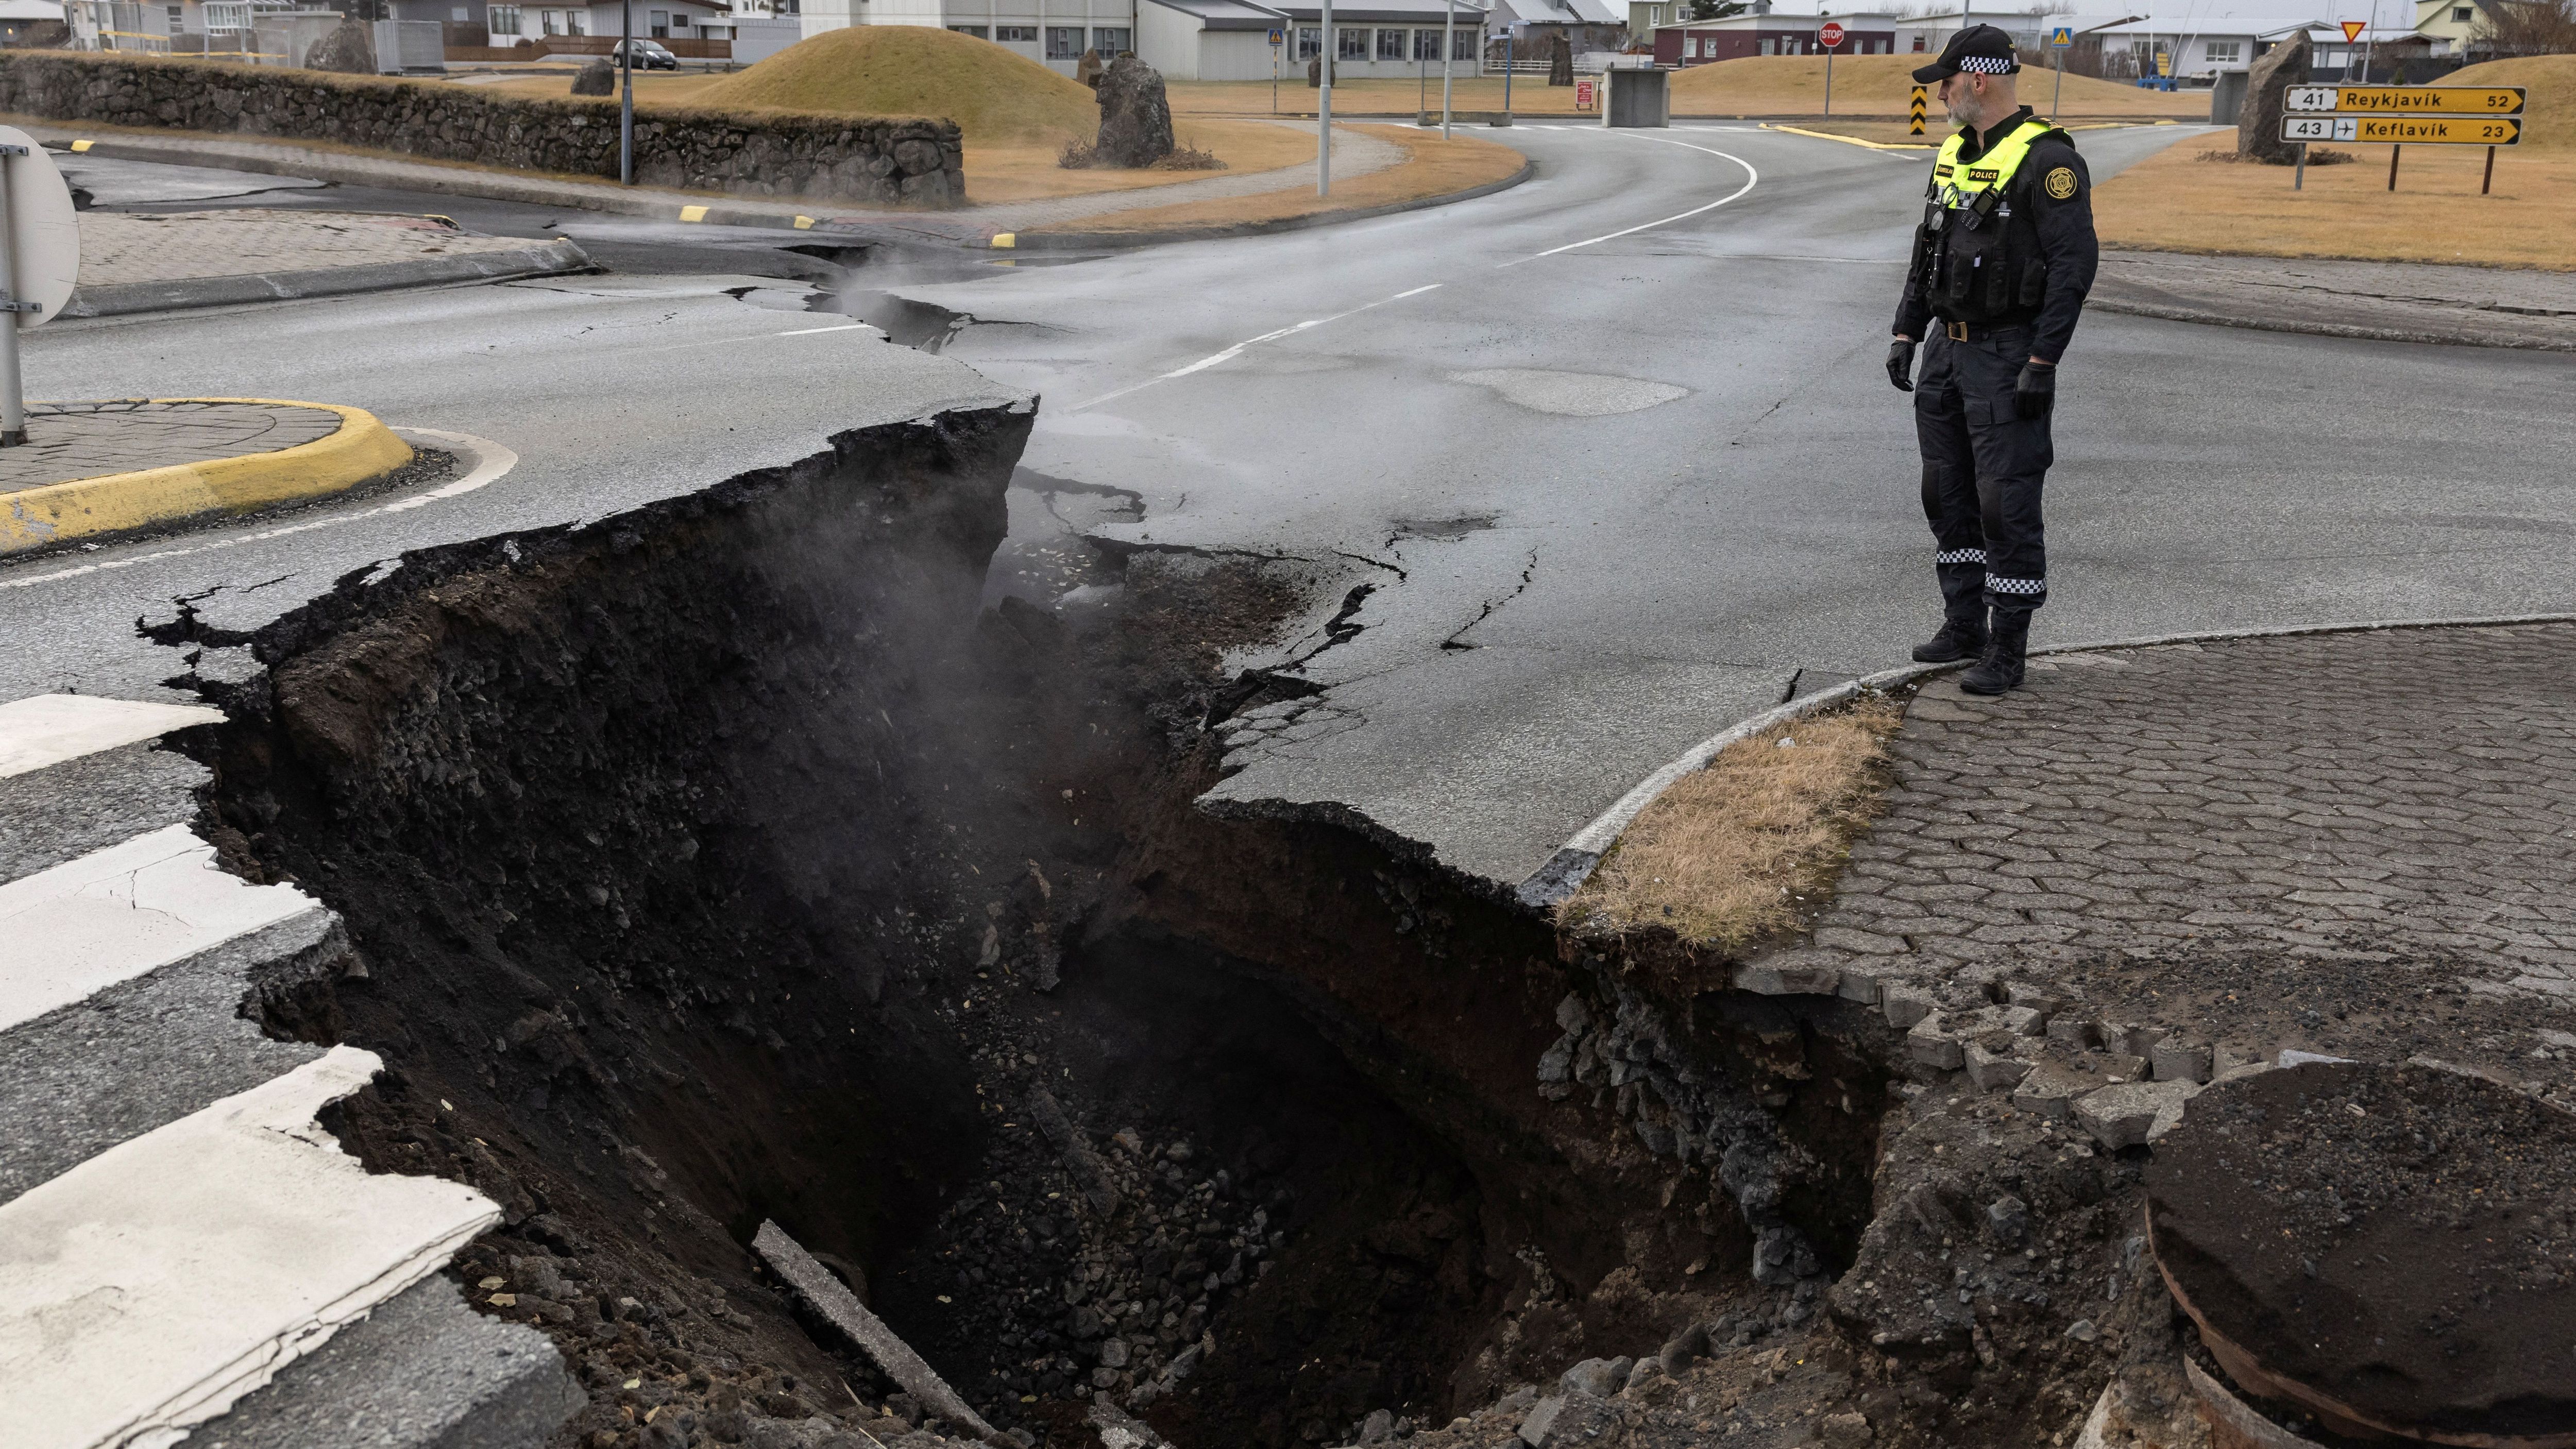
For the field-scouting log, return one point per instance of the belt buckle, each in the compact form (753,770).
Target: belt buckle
(1958,330)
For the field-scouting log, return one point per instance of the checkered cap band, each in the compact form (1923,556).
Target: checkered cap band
(1989,64)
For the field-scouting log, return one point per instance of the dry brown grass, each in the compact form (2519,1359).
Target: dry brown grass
(2179,203)
(1880,85)
(1369,97)
(2549,104)
(1030,172)
(1735,852)
(1433,167)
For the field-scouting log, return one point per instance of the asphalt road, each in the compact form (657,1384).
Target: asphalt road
(1614,447)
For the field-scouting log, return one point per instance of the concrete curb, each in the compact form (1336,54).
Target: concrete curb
(127,298)
(2171,313)
(361,449)
(1094,241)
(1575,860)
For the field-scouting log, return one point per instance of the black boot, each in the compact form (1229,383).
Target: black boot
(1959,639)
(2000,669)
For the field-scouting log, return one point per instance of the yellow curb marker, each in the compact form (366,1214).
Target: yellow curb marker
(693,213)
(80,145)
(361,449)
(804,223)
(1005,240)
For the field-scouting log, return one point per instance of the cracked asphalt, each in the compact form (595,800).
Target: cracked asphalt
(1614,479)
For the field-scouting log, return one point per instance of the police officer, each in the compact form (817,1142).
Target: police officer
(2001,264)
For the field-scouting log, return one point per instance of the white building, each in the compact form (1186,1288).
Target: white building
(1187,39)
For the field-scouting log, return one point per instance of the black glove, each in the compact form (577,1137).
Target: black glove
(1900,364)
(2036,392)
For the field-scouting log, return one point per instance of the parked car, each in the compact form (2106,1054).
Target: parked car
(648,56)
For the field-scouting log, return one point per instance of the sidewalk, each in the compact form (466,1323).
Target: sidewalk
(150,262)
(2384,301)
(98,468)
(2206,854)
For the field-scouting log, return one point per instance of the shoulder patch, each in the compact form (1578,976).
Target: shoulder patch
(2061,183)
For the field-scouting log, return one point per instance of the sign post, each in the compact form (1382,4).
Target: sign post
(1278,37)
(2402,116)
(1448,54)
(626,99)
(1326,53)
(39,260)
(1830,36)
(2060,39)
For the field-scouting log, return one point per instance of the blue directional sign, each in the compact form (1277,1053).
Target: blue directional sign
(2062,38)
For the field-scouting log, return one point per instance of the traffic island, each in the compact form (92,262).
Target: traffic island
(92,470)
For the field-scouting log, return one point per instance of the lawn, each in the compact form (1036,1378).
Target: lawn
(1432,167)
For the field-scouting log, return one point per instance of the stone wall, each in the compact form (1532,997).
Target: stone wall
(878,161)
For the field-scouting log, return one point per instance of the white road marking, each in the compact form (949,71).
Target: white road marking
(490,461)
(1231,353)
(114,914)
(47,729)
(1751,179)
(810,331)
(151,1287)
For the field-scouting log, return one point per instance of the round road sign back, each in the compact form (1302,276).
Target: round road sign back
(1831,35)
(44,231)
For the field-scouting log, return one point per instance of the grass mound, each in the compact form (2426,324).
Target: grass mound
(1878,85)
(915,70)
(2549,110)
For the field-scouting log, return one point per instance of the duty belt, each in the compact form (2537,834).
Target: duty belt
(1961,332)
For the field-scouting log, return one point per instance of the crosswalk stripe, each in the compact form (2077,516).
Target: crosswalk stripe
(47,729)
(147,1289)
(117,913)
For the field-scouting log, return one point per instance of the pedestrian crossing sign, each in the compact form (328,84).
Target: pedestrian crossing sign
(2061,38)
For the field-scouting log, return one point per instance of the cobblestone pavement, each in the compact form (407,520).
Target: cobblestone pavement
(86,440)
(119,247)
(2375,820)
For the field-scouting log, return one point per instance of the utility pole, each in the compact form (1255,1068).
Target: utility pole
(1449,48)
(1324,53)
(13,402)
(626,99)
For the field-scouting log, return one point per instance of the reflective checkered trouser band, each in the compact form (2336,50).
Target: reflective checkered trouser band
(1960,556)
(1996,583)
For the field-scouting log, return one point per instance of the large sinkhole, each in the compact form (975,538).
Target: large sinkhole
(820,849)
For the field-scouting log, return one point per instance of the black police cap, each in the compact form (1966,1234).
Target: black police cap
(1980,48)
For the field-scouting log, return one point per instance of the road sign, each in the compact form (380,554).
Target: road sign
(44,232)
(2406,130)
(1914,113)
(2352,30)
(2062,38)
(2164,62)
(2407,100)
(1278,36)
(1831,35)
(1583,95)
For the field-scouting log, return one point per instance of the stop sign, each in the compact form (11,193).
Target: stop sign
(1831,35)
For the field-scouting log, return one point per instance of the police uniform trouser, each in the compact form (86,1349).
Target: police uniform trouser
(1982,467)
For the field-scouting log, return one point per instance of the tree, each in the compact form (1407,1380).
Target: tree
(2525,27)
(1716,9)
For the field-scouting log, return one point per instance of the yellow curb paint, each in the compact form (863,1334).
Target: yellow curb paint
(804,223)
(693,213)
(1846,140)
(80,145)
(361,449)
(1005,240)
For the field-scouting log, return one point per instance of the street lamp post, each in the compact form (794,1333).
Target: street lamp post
(1324,56)
(1448,50)
(626,98)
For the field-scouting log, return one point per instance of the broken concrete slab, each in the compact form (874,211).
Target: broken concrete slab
(829,1297)
(1070,1145)
(2130,1113)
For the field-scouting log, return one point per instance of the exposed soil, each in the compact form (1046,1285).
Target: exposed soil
(2402,1237)
(765,854)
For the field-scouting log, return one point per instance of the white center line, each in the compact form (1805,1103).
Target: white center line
(1751,178)
(1231,353)
(810,331)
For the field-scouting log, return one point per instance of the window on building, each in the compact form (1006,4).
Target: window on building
(1462,44)
(2225,52)
(1016,34)
(502,20)
(657,24)
(976,31)
(550,22)
(1064,42)
(178,18)
(1390,45)
(459,14)
(1310,42)
(790,7)
(1426,45)
(577,22)
(1112,41)
(2460,13)
(1351,44)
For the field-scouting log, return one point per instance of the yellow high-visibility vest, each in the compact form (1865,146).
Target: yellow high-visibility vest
(1955,184)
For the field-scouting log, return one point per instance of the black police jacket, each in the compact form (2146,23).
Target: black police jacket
(2039,261)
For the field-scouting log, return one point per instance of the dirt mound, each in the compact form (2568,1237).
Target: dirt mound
(1877,85)
(913,70)
(2549,111)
